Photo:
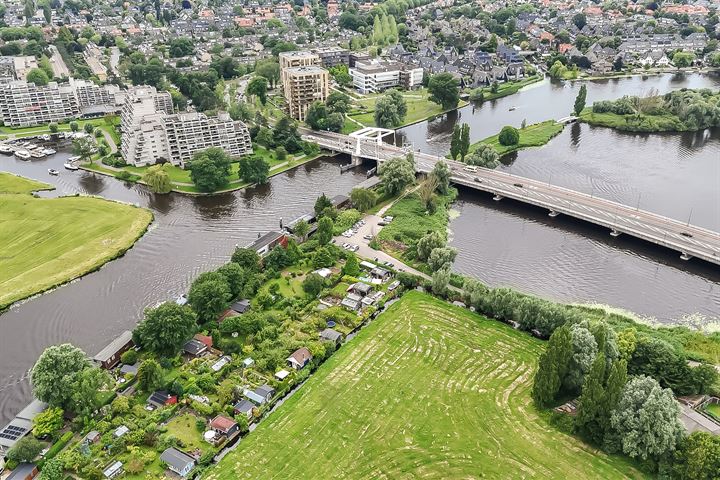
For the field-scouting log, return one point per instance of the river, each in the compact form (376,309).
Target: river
(188,236)
(510,244)
(501,243)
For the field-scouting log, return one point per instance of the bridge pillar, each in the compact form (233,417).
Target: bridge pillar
(614,233)
(553,214)
(685,256)
(497,198)
(356,160)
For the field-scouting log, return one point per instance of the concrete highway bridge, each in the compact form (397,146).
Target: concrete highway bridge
(689,240)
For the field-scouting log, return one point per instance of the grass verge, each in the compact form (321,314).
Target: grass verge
(634,123)
(428,390)
(535,135)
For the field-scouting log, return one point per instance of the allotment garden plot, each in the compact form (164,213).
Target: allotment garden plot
(428,390)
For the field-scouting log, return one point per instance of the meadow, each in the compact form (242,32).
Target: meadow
(46,242)
(535,135)
(428,390)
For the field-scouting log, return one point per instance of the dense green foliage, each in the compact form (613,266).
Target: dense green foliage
(390,109)
(209,169)
(444,90)
(509,136)
(165,328)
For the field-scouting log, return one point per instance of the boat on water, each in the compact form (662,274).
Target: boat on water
(22,154)
(37,154)
(511,109)
(49,151)
(6,149)
(74,158)
(45,137)
(70,166)
(52,171)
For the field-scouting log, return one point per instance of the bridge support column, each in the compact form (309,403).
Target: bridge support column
(553,214)
(685,256)
(614,233)
(356,160)
(497,198)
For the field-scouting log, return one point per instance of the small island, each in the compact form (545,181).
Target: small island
(49,241)
(679,111)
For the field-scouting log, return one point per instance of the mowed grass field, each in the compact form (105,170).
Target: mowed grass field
(45,242)
(429,391)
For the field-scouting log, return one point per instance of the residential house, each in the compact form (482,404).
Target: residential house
(244,407)
(177,461)
(194,348)
(113,470)
(241,306)
(330,335)
(92,437)
(24,471)
(359,288)
(261,395)
(299,358)
(161,398)
(20,426)
(109,356)
(222,425)
(351,302)
(381,274)
(267,242)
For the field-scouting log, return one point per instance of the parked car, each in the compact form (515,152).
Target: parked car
(368,237)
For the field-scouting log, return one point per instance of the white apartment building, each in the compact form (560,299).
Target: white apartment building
(379,75)
(24,104)
(151,131)
(188,133)
(95,99)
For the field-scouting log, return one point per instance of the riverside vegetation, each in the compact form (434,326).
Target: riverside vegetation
(678,111)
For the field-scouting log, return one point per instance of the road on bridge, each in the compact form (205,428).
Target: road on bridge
(689,240)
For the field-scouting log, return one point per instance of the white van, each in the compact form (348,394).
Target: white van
(471,168)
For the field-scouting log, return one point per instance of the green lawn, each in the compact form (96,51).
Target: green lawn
(428,390)
(714,410)
(46,242)
(65,127)
(10,183)
(419,107)
(509,88)
(534,135)
(411,220)
(183,427)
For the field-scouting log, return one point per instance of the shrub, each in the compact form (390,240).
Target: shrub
(126,176)
(129,357)
(509,136)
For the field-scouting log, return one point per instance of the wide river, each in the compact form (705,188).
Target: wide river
(501,243)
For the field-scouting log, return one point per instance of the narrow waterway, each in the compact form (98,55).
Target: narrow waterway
(510,244)
(189,235)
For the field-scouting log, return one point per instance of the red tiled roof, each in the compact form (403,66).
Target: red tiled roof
(222,423)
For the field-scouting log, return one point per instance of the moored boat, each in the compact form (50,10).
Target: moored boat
(52,171)
(70,166)
(22,154)
(6,149)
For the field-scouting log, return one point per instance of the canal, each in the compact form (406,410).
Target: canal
(500,243)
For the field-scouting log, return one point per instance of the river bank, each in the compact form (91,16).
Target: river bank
(70,237)
(535,135)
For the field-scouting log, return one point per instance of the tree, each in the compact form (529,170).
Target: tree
(683,59)
(316,116)
(53,127)
(38,77)
(58,367)
(209,295)
(426,194)
(258,87)
(323,258)
(209,169)
(324,231)
(48,422)
(441,257)
(455,142)
(313,284)
(86,391)
(352,266)
(509,136)
(552,367)
(150,375)
(464,141)
(235,277)
(591,407)
(269,69)
(444,90)
(580,100)
(74,126)
(441,282)
(584,351)
(484,155)
(698,457)
(396,174)
(247,258)
(301,229)
(338,102)
(253,169)
(363,199)
(321,203)
(281,153)
(617,379)
(428,243)
(157,179)
(390,109)
(580,20)
(165,328)
(83,148)
(25,450)
(646,419)
(89,129)
(52,470)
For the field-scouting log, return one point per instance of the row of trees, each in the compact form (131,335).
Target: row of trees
(329,116)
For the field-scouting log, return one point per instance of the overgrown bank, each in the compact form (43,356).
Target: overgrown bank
(678,111)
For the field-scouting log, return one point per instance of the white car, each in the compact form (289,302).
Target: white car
(347,233)
(345,245)
(354,248)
